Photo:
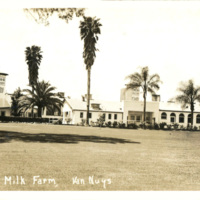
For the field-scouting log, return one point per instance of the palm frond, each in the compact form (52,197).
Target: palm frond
(42,96)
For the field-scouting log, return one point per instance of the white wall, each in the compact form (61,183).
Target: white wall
(95,116)
(66,109)
(75,115)
(6,110)
(177,118)
(137,106)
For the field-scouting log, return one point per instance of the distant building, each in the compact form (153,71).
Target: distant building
(156,111)
(75,110)
(128,110)
(131,94)
(5,99)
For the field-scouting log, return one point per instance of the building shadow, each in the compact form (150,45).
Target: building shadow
(8,136)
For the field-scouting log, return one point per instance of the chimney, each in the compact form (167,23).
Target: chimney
(89,97)
(155,97)
(83,98)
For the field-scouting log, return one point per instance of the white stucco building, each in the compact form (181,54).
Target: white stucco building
(76,109)
(156,111)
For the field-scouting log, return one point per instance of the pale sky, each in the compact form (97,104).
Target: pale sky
(162,35)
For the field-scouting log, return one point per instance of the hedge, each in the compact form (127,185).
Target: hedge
(24,119)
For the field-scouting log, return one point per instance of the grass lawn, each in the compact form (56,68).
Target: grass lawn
(128,159)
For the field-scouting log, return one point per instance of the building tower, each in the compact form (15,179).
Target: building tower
(2,83)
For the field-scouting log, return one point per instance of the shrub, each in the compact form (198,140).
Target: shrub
(122,125)
(195,128)
(141,125)
(176,125)
(156,126)
(101,120)
(108,124)
(92,123)
(163,125)
(149,126)
(83,122)
(24,119)
(133,126)
(169,126)
(115,124)
(59,121)
(69,120)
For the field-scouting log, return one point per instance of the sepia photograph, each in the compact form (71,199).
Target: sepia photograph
(101,96)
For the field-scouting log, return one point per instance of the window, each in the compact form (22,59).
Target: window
(163,115)
(90,115)
(81,114)
(172,118)
(189,118)
(109,116)
(132,117)
(3,113)
(198,119)
(138,118)
(115,116)
(1,90)
(181,118)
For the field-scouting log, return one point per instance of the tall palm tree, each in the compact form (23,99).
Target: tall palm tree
(33,57)
(148,83)
(189,95)
(41,97)
(89,29)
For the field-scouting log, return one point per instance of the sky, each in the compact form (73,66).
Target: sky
(165,36)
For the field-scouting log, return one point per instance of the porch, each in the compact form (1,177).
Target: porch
(137,117)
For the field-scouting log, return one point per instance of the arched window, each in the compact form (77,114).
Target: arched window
(163,115)
(181,118)
(172,118)
(189,118)
(198,119)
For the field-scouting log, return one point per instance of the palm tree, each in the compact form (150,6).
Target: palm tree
(89,29)
(148,83)
(41,97)
(189,95)
(15,102)
(33,57)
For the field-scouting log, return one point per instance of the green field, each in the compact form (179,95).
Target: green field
(120,159)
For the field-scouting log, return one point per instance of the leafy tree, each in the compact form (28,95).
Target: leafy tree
(41,97)
(89,29)
(189,94)
(15,102)
(148,83)
(42,15)
(101,119)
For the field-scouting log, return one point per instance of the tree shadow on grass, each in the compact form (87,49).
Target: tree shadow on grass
(8,136)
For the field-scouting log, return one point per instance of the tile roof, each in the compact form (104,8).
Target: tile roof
(77,104)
